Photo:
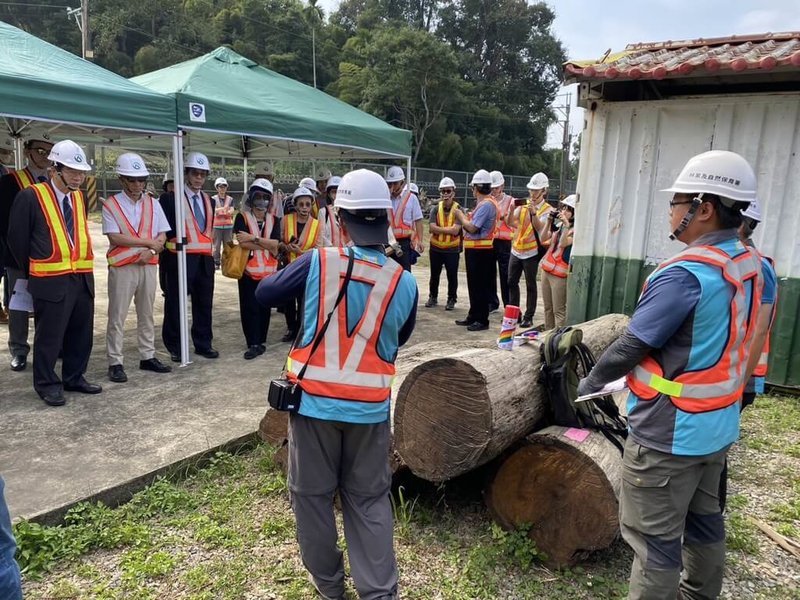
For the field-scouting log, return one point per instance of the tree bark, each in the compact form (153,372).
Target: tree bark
(564,484)
(461,407)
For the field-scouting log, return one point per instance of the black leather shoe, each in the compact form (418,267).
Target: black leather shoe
(431,302)
(53,398)
(19,362)
(83,387)
(251,352)
(155,365)
(465,322)
(117,374)
(289,336)
(477,326)
(451,304)
(262,348)
(525,322)
(208,353)
(175,356)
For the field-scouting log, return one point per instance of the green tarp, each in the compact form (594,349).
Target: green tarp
(40,81)
(225,93)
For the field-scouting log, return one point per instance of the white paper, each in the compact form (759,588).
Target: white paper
(21,298)
(608,389)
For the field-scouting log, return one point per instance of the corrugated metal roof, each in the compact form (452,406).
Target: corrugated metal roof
(672,59)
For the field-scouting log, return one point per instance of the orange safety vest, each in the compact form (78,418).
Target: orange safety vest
(331,225)
(308,238)
(444,241)
(197,241)
(503,231)
(223,218)
(261,262)
(346,364)
(66,258)
(400,228)
(24,177)
(119,256)
(763,360)
(485,243)
(722,384)
(553,261)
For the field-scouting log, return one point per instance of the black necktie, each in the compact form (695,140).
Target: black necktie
(68,218)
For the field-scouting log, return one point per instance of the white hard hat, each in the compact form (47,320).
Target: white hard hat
(481,177)
(323,175)
(131,165)
(307,182)
(69,154)
(720,172)
(220,181)
(538,182)
(414,188)
(302,191)
(570,201)
(261,184)
(395,174)
(753,211)
(195,160)
(334,181)
(363,189)
(446,182)
(497,178)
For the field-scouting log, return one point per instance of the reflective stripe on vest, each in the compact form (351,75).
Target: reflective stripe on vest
(197,242)
(261,262)
(66,258)
(331,226)
(553,262)
(119,256)
(346,364)
(224,218)
(763,360)
(720,385)
(503,231)
(487,242)
(308,238)
(525,239)
(24,178)
(444,241)
(400,228)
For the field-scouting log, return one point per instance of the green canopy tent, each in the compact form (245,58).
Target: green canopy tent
(230,106)
(49,93)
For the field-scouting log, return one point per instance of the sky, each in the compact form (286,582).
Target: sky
(589,28)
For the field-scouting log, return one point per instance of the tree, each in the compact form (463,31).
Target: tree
(406,76)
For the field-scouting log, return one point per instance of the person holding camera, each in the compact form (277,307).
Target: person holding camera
(258,231)
(343,366)
(527,247)
(555,264)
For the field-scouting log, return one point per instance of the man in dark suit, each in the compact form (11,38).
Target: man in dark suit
(49,238)
(197,230)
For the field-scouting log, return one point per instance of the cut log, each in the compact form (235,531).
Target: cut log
(274,430)
(462,407)
(564,484)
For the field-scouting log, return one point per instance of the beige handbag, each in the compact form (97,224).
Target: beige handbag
(234,260)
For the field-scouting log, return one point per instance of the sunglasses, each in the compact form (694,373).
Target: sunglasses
(261,196)
(304,205)
(448,191)
(197,173)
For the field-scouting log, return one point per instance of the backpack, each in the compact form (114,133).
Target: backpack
(564,356)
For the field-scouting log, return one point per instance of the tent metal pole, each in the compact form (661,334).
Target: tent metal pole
(180,233)
(244,176)
(19,152)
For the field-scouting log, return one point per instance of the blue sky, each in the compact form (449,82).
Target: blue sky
(588,28)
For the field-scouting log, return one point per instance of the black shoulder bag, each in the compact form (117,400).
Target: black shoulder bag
(285,395)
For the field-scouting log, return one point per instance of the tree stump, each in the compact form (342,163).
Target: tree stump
(461,407)
(564,484)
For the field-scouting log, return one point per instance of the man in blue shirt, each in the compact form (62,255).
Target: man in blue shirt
(682,354)
(479,252)
(344,363)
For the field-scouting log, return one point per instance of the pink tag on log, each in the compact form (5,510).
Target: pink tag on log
(577,435)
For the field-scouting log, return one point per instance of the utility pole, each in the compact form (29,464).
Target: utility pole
(81,16)
(566,141)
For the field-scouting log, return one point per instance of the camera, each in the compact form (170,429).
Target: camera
(284,395)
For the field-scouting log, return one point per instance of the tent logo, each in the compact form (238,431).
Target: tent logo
(197,112)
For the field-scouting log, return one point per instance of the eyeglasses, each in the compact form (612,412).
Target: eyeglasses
(674,203)
(261,196)
(135,179)
(41,151)
(303,205)
(197,173)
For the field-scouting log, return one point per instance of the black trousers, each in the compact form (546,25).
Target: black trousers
(516,266)
(255,318)
(481,271)
(448,260)
(200,287)
(292,311)
(405,260)
(502,254)
(66,326)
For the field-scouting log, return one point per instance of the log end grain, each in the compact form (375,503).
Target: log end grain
(566,495)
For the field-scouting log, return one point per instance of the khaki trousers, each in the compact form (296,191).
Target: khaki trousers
(137,283)
(554,298)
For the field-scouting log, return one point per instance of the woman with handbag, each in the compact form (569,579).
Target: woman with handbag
(258,232)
